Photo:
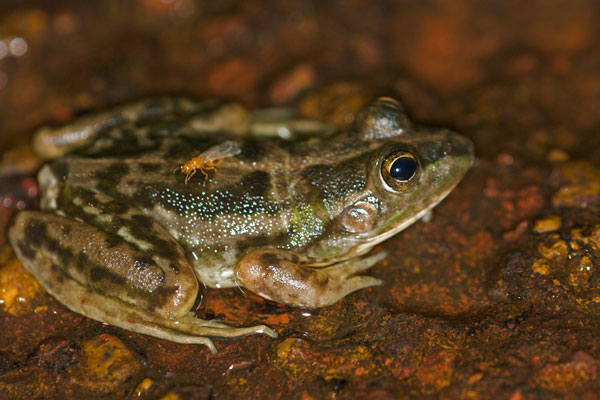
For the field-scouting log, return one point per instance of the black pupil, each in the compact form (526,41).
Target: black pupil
(403,168)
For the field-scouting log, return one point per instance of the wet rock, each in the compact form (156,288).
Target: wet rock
(582,185)
(580,270)
(105,365)
(300,360)
(26,384)
(146,389)
(570,260)
(547,224)
(437,370)
(189,392)
(18,289)
(569,377)
(55,354)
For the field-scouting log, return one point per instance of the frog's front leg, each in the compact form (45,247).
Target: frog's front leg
(275,275)
(120,278)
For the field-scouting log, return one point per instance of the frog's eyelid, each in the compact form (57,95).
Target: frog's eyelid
(390,102)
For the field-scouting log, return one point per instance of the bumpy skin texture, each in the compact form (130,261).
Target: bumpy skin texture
(123,238)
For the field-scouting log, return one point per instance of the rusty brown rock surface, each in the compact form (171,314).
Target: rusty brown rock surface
(498,296)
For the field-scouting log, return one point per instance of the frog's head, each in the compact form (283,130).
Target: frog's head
(407,171)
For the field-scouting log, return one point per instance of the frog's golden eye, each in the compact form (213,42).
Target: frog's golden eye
(399,170)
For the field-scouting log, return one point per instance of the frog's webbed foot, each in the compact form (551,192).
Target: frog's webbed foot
(273,274)
(107,278)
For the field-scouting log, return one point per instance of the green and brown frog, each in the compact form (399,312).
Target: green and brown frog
(124,237)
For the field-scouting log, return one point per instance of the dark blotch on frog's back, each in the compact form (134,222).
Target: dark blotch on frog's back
(99,274)
(158,112)
(257,184)
(142,221)
(274,258)
(182,149)
(186,147)
(125,144)
(248,195)
(252,150)
(60,169)
(81,261)
(331,182)
(174,267)
(142,228)
(36,229)
(162,296)
(87,197)
(107,179)
(148,167)
(39,231)
(65,255)
(26,249)
(269,259)
(112,241)
(165,249)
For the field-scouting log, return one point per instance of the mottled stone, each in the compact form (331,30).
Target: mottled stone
(547,224)
(582,187)
(18,289)
(105,365)
(569,376)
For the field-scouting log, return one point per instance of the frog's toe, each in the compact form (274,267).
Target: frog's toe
(203,327)
(351,267)
(360,282)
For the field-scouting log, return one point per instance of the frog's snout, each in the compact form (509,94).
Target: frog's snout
(460,147)
(448,148)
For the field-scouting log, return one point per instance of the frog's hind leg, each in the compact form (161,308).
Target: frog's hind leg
(202,116)
(86,301)
(106,278)
(284,123)
(275,275)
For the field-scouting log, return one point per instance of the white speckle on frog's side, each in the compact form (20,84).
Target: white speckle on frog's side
(231,214)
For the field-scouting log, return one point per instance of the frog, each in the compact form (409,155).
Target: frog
(126,237)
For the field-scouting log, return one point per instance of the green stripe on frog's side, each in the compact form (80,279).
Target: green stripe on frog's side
(119,222)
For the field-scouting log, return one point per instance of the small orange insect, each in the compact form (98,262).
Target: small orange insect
(209,159)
